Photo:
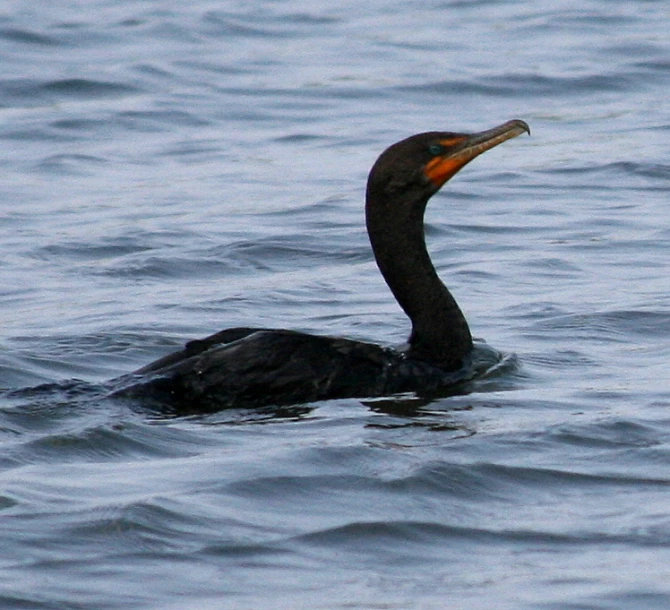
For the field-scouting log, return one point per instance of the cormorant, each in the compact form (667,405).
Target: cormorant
(250,367)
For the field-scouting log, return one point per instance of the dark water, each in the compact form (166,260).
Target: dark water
(171,169)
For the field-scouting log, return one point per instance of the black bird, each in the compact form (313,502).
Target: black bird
(250,367)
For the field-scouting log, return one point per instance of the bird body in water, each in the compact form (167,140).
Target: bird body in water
(248,367)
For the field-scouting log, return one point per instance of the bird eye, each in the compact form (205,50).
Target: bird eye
(436,149)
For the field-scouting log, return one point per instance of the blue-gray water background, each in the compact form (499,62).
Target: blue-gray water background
(170,169)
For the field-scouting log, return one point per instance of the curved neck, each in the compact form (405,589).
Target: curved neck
(440,332)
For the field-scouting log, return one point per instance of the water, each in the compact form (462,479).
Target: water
(171,169)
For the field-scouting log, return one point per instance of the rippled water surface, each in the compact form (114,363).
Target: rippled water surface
(172,169)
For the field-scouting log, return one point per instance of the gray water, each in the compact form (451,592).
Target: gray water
(171,169)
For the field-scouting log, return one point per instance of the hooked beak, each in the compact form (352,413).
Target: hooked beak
(462,149)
